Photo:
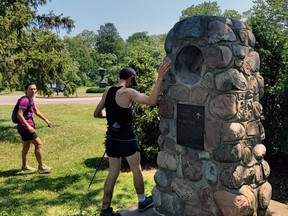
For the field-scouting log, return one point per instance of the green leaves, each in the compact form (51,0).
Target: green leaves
(272,47)
(206,8)
(209,9)
(109,40)
(28,53)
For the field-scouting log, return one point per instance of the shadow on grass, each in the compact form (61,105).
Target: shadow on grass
(17,194)
(9,173)
(15,172)
(95,163)
(9,134)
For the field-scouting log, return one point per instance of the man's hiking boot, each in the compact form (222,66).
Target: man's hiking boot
(44,169)
(147,203)
(109,212)
(28,168)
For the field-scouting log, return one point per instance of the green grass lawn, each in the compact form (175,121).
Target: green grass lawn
(73,147)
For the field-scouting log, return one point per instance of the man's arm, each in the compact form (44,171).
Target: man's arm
(99,111)
(40,115)
(20,116)
(153,97)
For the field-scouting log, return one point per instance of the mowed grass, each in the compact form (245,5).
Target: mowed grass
(73,147)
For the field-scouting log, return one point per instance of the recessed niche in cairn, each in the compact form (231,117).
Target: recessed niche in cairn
(211,160)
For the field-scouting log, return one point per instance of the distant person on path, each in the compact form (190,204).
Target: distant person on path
(120,137)
(26,129)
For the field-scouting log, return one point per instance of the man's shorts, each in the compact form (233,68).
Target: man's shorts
(26,135)
(121,148)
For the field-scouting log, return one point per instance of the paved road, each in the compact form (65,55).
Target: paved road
(12,99)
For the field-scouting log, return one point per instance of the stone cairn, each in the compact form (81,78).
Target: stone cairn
(217,167)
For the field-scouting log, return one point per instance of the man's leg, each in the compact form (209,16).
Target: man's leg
(38,154)
(135,166)
(25,151)
(38,150)
(114,169)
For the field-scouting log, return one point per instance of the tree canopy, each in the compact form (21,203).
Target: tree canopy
(208,8)
(109,40)
(23,36)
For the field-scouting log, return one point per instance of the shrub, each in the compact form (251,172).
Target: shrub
(96,90)
(147,130)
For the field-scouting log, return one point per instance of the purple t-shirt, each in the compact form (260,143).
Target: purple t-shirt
(24,104)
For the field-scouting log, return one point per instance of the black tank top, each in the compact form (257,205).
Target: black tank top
(117,116)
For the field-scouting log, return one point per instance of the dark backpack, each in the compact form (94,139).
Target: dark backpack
(16,108)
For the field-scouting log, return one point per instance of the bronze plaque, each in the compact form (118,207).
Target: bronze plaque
(190,126)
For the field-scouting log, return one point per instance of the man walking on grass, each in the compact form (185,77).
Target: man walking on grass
(26,129)
(120,137)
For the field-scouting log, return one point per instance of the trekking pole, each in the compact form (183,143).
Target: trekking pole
(97,169)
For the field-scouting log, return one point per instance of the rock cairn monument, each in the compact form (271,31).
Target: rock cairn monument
(211,160)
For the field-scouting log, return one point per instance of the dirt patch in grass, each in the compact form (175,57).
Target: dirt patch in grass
(149,173)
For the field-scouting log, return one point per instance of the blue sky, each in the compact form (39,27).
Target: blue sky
(130,16)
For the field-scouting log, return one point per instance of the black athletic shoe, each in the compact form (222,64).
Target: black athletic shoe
(147,203)
(109,212)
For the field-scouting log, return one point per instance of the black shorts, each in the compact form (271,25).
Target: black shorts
(121,148)
(26,135)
